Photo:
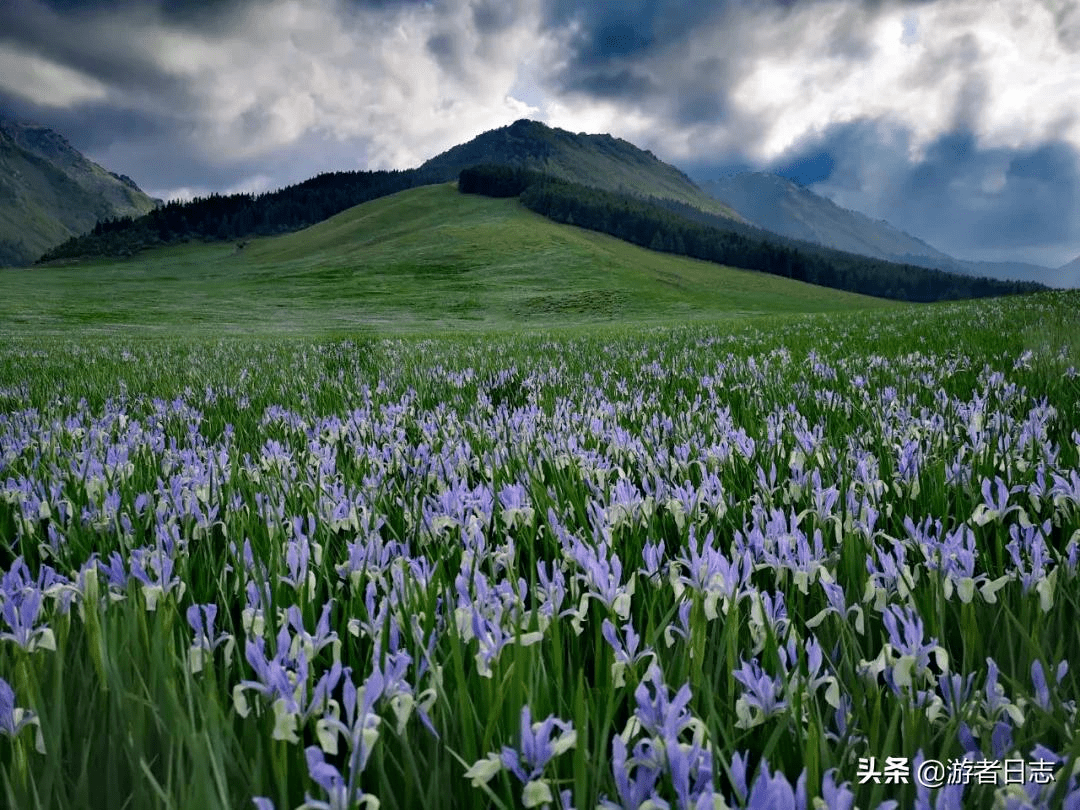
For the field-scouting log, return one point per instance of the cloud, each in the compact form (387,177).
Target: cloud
(44,82)
(759,77)
(241,81)
(975,202)
(407,79)
(91,46)
(954,119)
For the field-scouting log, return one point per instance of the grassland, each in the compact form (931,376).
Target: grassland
(719,565)
(551,551)
(422,259)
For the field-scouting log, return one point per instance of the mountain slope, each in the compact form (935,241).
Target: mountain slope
(424,258)
(1068,275)
(599,161)
(781,206)
(777,204)
(50,192)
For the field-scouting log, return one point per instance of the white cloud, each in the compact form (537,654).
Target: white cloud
(44,82)
(181,193)
(256,184)
(999,69)
(780,76)
(315,68)
(290,69)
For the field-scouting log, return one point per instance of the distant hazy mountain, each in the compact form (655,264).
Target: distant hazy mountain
(1068,275)
(599,161)
(781,206)
(49,192)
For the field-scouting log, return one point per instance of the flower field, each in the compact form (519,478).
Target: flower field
(779,564)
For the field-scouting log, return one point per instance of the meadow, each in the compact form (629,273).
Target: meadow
(737,564)
(424,260)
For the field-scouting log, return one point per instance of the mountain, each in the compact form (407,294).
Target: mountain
(777,204)
(647,202)
(50,192)
(1021,271)
(598,161)
(781,206)
(1068,275)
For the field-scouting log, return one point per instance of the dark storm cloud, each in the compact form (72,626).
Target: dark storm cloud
(972,198)
(807,169)
(611,41)
(195,13)
(133,143)
(1007,198)
(46,31)
(698,106)
(443,46)
(95,127)
(76,39)
(221,91)
(176,10)
(614,81)
(79,35)
(494,16)
(681,60)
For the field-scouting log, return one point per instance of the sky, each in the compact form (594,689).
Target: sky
(956,120)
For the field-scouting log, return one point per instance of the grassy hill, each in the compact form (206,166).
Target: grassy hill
(599,161)
(596,161)
(50,192)
(422,258)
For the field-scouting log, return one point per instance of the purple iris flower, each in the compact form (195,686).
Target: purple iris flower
(635,781)
(775,792)
(8,711)
(907,633)
(661,715)
(761,692)
(539,744)
(948,797)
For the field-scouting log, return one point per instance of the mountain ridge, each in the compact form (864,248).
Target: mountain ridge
(423,258)
(597,160)
(49,192)
(784,207)
(602,163)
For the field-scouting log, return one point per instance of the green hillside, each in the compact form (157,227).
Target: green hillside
(599,161)
(50,192)
(426,257)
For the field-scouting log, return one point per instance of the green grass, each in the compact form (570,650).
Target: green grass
(424,258)
(393,424)
(186,443)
